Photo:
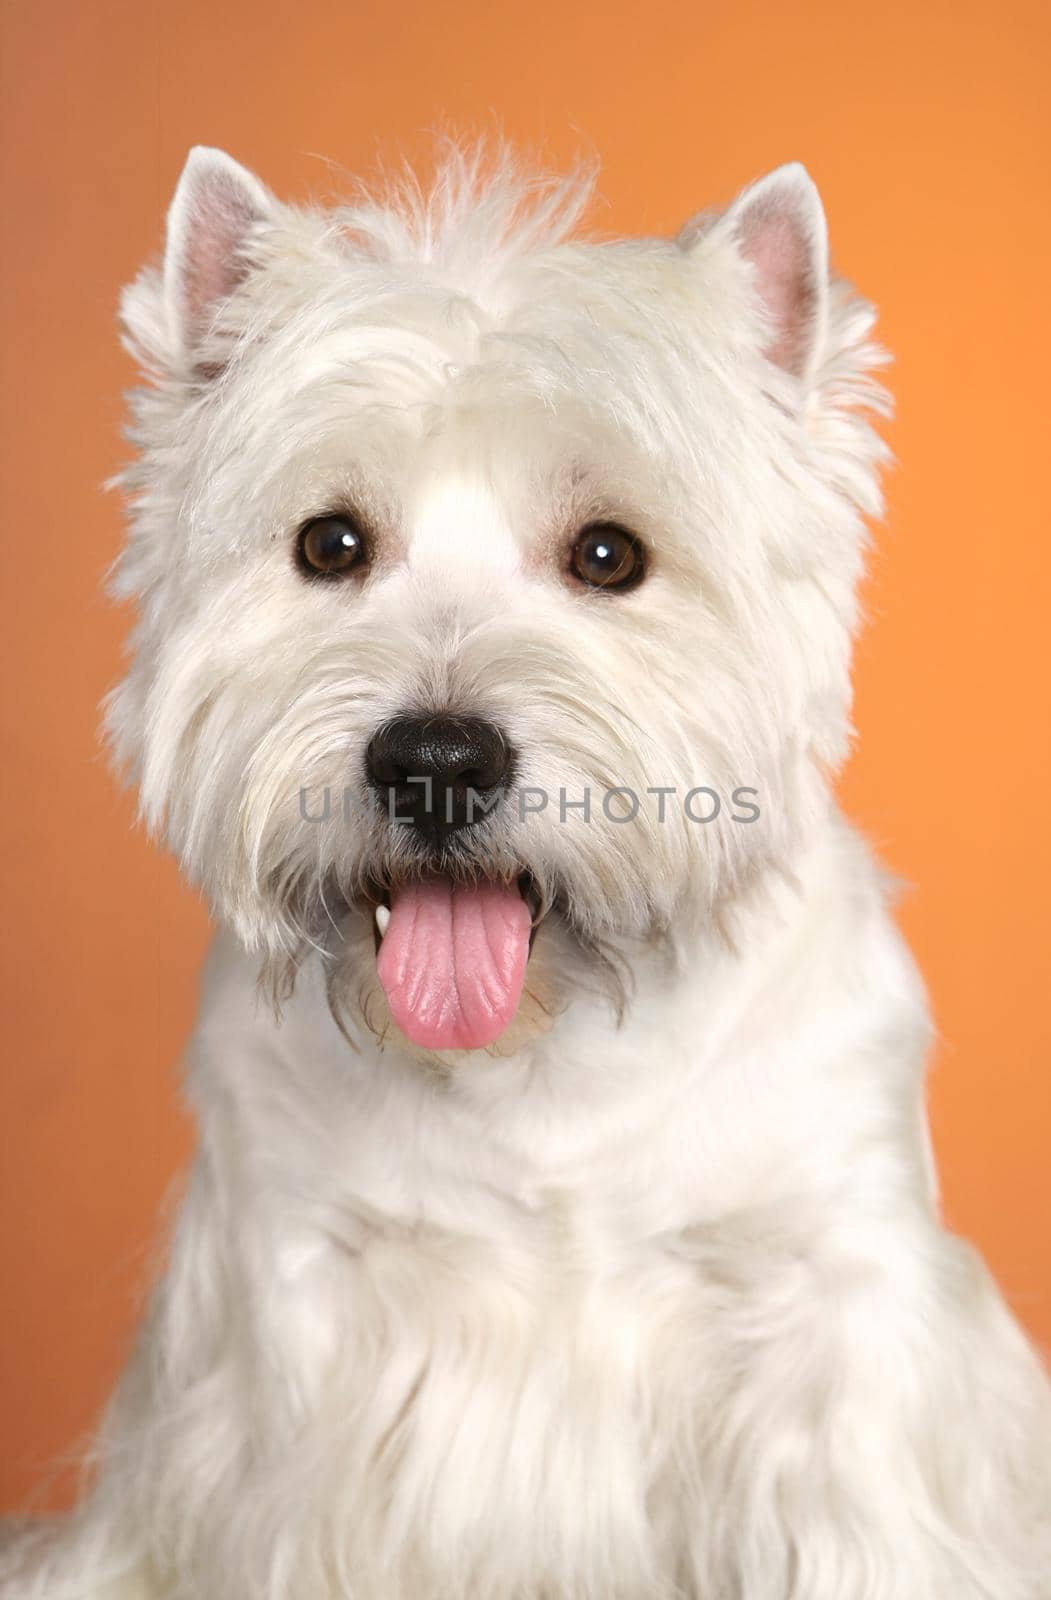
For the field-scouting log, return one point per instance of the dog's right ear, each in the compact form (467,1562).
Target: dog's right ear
(213,220)
(216,209)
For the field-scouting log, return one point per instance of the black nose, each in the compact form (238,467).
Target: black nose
(439,773)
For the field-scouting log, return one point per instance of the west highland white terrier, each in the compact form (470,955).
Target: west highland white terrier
(564,1224)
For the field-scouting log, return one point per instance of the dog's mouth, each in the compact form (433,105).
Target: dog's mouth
(451,956)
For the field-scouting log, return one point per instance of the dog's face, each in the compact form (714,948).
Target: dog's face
(466,556)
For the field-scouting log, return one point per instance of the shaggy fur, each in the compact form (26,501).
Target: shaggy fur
(649,1301)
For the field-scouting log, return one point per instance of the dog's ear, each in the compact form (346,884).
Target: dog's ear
(215,212)
(778,227)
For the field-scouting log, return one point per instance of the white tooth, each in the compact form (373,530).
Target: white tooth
(382,918)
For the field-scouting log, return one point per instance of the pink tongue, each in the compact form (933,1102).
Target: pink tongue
(452,962)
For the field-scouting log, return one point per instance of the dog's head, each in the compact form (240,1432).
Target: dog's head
(495,588)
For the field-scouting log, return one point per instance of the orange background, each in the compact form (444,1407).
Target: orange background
(927,128)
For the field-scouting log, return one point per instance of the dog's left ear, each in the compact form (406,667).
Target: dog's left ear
(778,226)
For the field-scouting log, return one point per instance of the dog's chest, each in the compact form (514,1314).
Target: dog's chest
(494,1384)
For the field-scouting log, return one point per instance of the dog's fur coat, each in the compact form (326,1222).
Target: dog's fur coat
(650,1300)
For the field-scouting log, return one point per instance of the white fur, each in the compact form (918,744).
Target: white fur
(630,1308)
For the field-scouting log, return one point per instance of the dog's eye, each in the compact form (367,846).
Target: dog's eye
(607,557)
(330,547)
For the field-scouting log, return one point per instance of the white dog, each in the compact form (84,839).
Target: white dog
(564,1224)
